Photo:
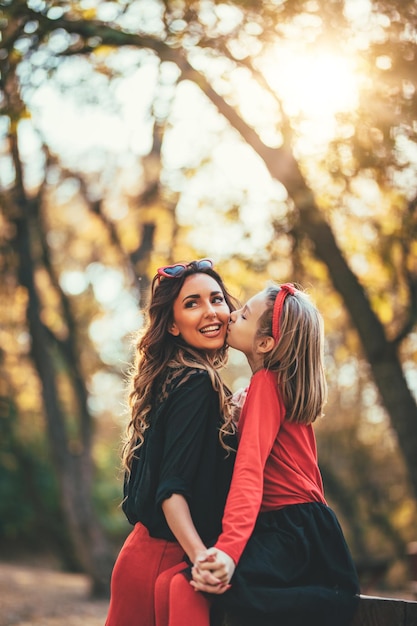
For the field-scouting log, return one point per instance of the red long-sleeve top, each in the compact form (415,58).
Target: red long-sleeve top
(276,464)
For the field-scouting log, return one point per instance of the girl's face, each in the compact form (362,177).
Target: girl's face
(200,313)
(244,325)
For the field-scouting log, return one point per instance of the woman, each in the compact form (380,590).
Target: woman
(178,454)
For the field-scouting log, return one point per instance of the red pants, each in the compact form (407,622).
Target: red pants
(176,602)
(140,561)
(147,588)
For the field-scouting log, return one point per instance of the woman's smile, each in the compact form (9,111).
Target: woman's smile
(212,330)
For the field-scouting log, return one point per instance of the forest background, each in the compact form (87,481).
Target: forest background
(277,137)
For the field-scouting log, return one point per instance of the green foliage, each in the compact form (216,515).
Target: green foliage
(29,508)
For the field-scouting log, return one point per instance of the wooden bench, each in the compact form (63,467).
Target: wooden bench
(374,611)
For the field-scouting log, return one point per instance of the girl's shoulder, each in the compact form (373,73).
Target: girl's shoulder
(264,383)
(263,377)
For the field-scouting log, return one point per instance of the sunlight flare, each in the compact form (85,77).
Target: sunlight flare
(314,85)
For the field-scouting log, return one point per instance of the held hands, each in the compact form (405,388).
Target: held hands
(212,571)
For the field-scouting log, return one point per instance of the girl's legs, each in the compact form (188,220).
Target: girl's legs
(176,602)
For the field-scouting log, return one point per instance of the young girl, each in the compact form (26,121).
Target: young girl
(293,566)
(178,456)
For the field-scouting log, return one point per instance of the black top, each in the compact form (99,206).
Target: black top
(181,454)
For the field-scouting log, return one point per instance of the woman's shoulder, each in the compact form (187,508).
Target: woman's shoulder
(181,378)
(177,376)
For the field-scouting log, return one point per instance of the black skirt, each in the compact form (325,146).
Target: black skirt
(295,570)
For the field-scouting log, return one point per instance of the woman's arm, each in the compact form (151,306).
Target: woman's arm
(178,517)
(177,514)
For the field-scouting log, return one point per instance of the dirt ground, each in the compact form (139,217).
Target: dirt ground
(32,595)
(41,595)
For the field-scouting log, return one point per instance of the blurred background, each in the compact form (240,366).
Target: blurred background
(278,137)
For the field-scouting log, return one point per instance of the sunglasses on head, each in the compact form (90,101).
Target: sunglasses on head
(178,269)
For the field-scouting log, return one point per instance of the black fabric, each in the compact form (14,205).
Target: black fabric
(295,570)
(182,454)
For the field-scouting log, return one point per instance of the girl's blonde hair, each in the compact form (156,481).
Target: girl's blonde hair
(157,349)
(298,355)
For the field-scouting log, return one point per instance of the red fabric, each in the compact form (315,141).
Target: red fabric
(276,464)
(287,288)
(141,560)
(176,602)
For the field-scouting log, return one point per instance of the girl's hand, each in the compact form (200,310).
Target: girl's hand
(238,399)
(212,571)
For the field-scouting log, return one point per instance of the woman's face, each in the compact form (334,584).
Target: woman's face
(200,313)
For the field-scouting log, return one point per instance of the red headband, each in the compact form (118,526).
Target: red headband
(287,288)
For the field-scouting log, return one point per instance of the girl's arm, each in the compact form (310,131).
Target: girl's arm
(259,427)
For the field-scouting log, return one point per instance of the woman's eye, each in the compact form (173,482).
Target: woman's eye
(190,304)
(218,300)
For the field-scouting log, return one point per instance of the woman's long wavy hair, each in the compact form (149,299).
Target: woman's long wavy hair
(298,356)
(156,349)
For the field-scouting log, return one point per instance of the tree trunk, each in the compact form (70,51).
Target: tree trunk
(381,354)
(74,468)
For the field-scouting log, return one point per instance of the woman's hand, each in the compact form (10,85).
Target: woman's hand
(212,571)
